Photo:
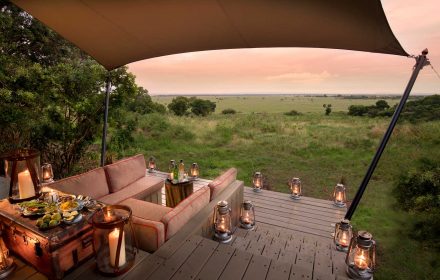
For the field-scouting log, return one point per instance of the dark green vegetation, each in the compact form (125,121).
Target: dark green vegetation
(426,109)
(52,94)
(380,109)
(181,105)
(229,111)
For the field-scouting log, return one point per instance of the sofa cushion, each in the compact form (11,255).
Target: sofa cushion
(124,172)
(184,211)
(222,181)
(92,183)
(139,189)
(150,232)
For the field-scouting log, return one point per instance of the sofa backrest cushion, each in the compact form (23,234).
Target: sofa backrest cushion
(184,211)
(92,183)
(222,181)
(124,172)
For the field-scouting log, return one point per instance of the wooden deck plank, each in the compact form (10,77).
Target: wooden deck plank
(301,272)
(257,268)
(81,269)
(22,273)
(236,266)
(36,276)
(170,266)
(216,263)
(279,271)
(145,268)
(295,227)
(195,262)
(240,243)
(256,247)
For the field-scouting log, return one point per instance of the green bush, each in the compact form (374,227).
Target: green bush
(419,192)
(229,111)
(202,107)
(292,113)
(380,109)
(424,109)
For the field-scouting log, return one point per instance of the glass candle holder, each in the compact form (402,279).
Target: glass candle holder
(361,256)
(295,186)
(257,182)
(194,171)
(247,215)
(47,173)
(23,168)
(114,242)
(222,222)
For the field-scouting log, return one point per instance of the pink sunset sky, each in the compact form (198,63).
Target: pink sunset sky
(416,24)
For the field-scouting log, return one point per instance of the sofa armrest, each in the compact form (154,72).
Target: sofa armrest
(221,182)
(182,213)
(150,234)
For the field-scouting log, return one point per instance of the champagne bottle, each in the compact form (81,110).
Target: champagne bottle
(181,170)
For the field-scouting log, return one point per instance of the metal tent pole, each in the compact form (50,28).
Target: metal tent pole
(108,85)
(421,61)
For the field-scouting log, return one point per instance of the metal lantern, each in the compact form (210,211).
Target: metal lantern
(151,164)
(23,168)
(295,188)
(343,235)
(222,222)
(47,173)
(7,265)
(194,171)
(339,195)
(114,242)
(257,181)
(247,215)
(361,256)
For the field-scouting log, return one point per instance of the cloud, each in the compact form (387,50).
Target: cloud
(301,77)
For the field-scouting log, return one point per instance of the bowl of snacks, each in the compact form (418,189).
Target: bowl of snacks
(49,221)
(70,205)
(33,208)
(72,217)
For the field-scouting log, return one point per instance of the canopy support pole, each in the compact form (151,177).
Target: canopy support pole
(421,61)
(104,126)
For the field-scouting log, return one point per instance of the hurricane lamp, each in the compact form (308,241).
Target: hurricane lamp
(340,195)
(222,222)
(151,164)
(361,256)
(114,242)
(23,168)
(171,168)
(343,235)
(295,188)
(257,181)
(7,265)
(47,173)
(194,171)
(247,215)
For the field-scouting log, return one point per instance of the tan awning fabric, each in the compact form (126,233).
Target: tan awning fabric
(117,32)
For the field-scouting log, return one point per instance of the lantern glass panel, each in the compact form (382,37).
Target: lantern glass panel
(339,195)
(23,169)
(257,181)
(194,170)
(247,215)
(295,186)
(361,256)
(114,241)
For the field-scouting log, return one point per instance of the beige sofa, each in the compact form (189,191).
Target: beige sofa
(127,182)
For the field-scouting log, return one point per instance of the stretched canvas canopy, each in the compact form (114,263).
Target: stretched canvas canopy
(117,32)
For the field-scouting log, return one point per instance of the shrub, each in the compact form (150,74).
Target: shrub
(202,107)
(229,111)
(292,113)
(424,109)
(179,105)
(380,109)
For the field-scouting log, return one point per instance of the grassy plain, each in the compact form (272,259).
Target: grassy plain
(317,148)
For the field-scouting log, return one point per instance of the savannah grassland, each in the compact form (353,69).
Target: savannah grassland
(317,148)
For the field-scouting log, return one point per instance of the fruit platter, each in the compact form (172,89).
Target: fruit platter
(49,221)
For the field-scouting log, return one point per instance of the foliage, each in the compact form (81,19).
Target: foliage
(424,109)
(52,94)
(229,111)
(327,109)
(380,109)
(419,191)
(292,113)
(202,107)
(179,105)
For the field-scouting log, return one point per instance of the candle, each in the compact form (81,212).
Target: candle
(295,189)
(113,246)
(360,260)
(25,185)
(343,240)
(339,196)
(108,216)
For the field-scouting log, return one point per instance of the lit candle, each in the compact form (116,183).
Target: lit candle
(25,184)
(113,246)
(108,215)
(295,189)
(360,260)
(343,240)
(339,196)
(46,175)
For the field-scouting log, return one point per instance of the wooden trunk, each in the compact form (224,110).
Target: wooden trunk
(53,252)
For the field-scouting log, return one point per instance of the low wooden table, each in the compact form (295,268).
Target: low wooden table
(52,252)
(177,191)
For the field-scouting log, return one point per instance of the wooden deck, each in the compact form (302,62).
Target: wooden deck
(292,240)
